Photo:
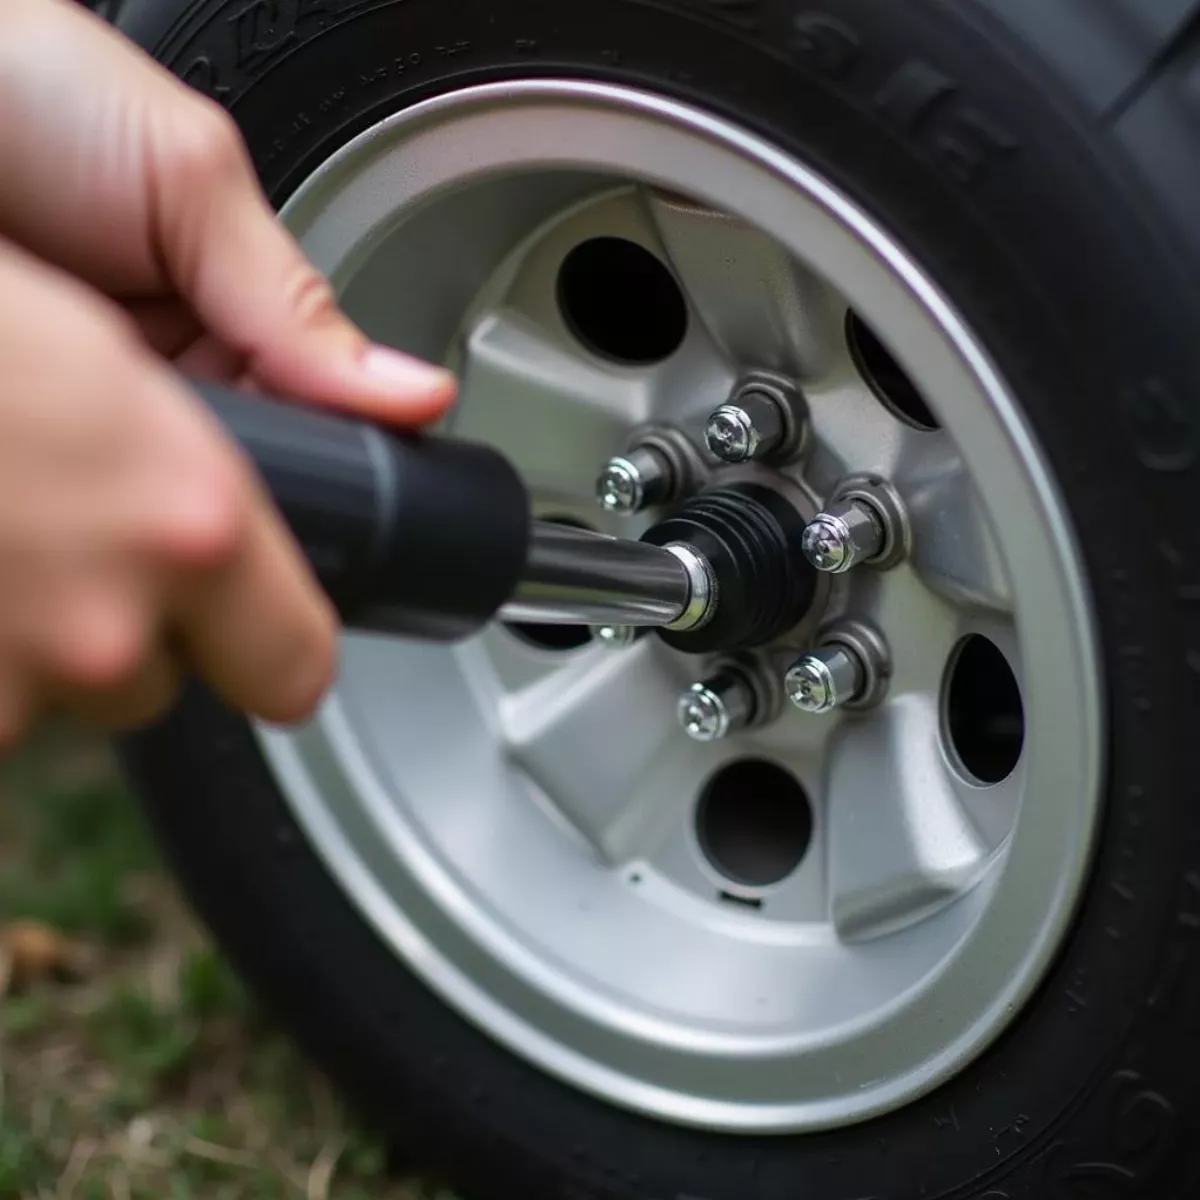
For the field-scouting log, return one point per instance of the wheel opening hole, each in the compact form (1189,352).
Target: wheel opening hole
(886,377)
(985,717)
(554,637)
(621,302)
(754,822)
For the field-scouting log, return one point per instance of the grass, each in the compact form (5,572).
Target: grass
(133,1064)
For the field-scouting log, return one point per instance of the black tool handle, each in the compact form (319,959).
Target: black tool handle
(420,536)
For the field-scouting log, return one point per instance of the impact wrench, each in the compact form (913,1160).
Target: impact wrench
(430,537)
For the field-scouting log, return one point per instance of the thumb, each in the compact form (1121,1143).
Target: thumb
(254,290)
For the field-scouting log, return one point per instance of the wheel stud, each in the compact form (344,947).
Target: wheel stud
(847,533)
(751,426)
(825,679)
(724,703)
(638,479)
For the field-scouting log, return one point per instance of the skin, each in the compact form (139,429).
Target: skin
(136,544)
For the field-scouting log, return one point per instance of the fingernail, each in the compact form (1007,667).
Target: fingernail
(402,370)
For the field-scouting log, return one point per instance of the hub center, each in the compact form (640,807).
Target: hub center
(751,536)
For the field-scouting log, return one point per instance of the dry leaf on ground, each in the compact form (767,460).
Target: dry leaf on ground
(31,952)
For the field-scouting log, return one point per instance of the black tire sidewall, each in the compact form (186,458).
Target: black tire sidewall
(1057,254)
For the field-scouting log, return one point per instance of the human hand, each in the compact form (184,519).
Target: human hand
(121,175)
(133,537)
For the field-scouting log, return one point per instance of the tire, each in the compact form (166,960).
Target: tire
(1041,162)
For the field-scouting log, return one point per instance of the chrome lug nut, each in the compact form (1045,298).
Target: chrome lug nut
(825,679)
(635,480)
(750,426)
(718,706)
(847,533)
(616,637)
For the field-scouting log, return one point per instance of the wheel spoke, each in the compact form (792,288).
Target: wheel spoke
(560,731)
(555,414)
(758,304)
(900,842)
(954,548)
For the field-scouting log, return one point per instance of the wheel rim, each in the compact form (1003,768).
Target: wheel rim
(526,827)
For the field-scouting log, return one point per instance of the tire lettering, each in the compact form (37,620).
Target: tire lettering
(1164,995)
(367,79)
(1169,985)
(262,27)
(1076,1000)
(1085,1180)
(1162,431)
(1185,585)
(916,99)
(1015,1128)
(912,95)
(825,44)
(330,102)
(1098,1181)
(1144,1140)
(927,105)
(1146,1126)
(948,1121)
(202,75)
(969,146)
(1187,916)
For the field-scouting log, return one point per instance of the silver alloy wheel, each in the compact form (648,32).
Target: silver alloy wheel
(519,824)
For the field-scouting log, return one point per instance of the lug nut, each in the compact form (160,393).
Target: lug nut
(717,707)
(750,426)
(638,479)
(845,534)
(616,637)
(825,679)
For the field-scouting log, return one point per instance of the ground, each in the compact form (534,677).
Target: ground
(133,1064)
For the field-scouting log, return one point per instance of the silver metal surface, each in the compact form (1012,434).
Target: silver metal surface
(844,535)
(577,577)
(703,594)
(872,654)
(752,426)
(825,679)
(517,823)
(616,637)
(633,481)
(882,498)
(715,707)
